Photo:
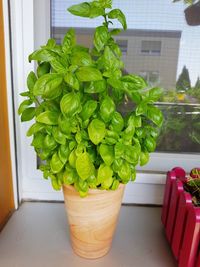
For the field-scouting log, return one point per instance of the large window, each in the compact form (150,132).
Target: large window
(151,48)
(160,46)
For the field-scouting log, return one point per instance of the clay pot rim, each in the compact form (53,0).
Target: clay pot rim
(94,191)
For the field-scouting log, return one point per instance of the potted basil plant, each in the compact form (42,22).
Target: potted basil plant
(87,147)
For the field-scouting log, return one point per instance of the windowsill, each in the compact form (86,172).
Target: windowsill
(37,236)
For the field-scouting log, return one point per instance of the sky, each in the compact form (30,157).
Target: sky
(145,14)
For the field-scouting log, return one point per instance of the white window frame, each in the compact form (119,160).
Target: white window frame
(150,179)
(11,119)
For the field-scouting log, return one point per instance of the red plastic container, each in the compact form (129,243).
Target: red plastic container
(181,220)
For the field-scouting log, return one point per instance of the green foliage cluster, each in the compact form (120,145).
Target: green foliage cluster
(78,132)
(183,83)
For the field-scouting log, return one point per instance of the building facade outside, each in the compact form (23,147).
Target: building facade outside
(152,54)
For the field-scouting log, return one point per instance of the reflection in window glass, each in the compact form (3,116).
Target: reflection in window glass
(162,48)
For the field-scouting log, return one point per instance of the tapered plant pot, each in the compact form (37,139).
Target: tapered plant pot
(192,14)
(92,220)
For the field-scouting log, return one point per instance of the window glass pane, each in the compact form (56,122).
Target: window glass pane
(160,46)
(151,47)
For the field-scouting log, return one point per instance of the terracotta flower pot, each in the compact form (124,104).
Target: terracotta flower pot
(92,220)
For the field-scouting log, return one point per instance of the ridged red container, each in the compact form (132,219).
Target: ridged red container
(181,220)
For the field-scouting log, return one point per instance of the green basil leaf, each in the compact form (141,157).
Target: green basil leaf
(71,80)
(106,184)
(48,117)
(135,121)
(51,43)
(81,58)
(72,144)
(133,174)
(69,41)
(24,105)
(107,109)
(144,158)
(70,104)
(96,87)
(109,141)
(38,140)
(43,55)
(59,136)
(104,172)
(119,150)
(119,15)
(117,122)
(101,37)
(154,94)
(31,80)
(105,3)
(51,105)
(45,154)
(58,66)
(43,69)
(56,164)
(72,159)
(27,93)
(48,86)
(125,172)
(69,175)
(128,133)
(84,166)
(96,131)
(88,109)
(133,82)
(65,124)
(85,9)
(28,114)
(83,187)
(115,83)
(49,142)
(150,144)
(154,114)
(116,49)
(117,164)
(140,132)
(55,184)
(79,48)
(135,96)
(63,153)
(107,154)
(115,185)
(115,31)
(81,10)
(131,154)
(49,129)
(88,74)
(153,132)
(110,61)
(36,127)
(141,109)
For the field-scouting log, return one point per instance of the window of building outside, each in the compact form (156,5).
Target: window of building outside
(152,77)
(161,47)
(151,48)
